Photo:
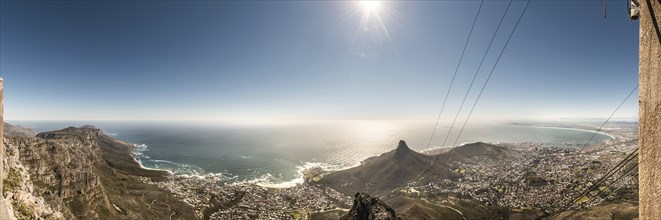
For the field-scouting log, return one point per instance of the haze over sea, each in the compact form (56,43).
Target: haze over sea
(276,154)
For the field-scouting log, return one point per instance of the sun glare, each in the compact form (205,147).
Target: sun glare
(372,31)
(371,6)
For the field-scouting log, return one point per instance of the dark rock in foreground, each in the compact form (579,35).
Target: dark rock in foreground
(366,207)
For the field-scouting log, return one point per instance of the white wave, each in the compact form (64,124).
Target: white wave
(213,176)
(166,161)
(139,149)
(258,181)
(245,157)
(265,180)
(286,184)
(179,170)
(138,153)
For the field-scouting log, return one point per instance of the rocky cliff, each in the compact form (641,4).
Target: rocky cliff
(22,198)
(81,173)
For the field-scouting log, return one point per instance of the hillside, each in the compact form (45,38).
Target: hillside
(386,174)
(402,166)
(81,173)
(468,151)
(414,207)
(18,131)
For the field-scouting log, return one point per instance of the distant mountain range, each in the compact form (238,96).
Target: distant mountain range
(17,130)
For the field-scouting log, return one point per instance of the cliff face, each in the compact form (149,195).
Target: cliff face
(23,200)
(85,174)
(63,173)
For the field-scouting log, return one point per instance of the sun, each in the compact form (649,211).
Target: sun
(372,26)
(370,6)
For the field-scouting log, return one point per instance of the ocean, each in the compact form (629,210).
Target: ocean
(275,155)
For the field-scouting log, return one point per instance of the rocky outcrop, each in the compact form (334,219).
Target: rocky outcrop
(366,207)
(21,197)
(82,173)
(63,171)
(398,168)
(402,150)
(386,172)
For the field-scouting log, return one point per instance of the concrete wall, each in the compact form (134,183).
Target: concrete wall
(3,206)
(649,134)
(2,145)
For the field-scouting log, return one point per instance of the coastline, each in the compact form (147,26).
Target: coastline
(612,137)
(134,154)
(269,181)
(261,181)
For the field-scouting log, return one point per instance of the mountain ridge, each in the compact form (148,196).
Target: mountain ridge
(17,130)
(402,166)
(85,174)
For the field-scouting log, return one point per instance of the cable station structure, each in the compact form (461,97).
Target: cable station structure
(649,124)
(649,208)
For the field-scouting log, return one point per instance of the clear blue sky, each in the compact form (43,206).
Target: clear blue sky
(211,60)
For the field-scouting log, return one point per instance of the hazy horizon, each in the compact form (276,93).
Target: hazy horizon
(276,155)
